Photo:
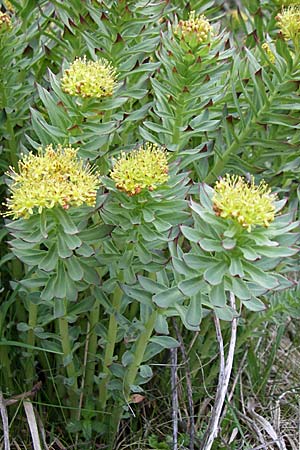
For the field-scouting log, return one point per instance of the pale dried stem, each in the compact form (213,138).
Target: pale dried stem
(4,422)
(188,385)
(224,377)
(174,397)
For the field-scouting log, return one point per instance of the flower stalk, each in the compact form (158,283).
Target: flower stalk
(92,351)
(32,320)
(139,352)
(110,345)
(67,350)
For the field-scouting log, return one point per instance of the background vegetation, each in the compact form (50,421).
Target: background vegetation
(233,107)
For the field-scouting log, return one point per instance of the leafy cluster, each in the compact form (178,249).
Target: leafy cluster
(174,103)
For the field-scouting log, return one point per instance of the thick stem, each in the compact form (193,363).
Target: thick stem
(224,377)
(92,350)
(67,350)
(174,397)
(32,320)
(7,378)
(140,348)
(110,345)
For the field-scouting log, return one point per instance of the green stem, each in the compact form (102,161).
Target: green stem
(140,348)
(178,123)
(12,142)
(7,380)
(32,320)
(110,345)
(92,350)
(67,349)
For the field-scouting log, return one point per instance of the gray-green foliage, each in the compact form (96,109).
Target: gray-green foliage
(113,275)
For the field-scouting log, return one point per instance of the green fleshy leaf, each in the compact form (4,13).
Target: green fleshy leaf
(59,309)
(254,304)
(211,245)
(196,262)
(86,304)
(191,286)
(138,294)
(217,295)
(95,234)
(249,253)
(194,311)
(259,276)
(74,268)
(85,250)
(30,257)
(215,272)
(72,241)
(90,274)
(165,341)
(161,324)
(62,248)
(228,244)
(161,225)
(60,287)
(168,298)
(181,267)
(150,285)
(191,234)
(226,313)
(48,263)
(48,291)
(144,255)
(236,267)
(240,289)
(276,252)
(182,312)
(65,220)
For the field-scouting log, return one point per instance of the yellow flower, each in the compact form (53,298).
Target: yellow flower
(89,78)
(5,22)
(195,30)
(244,202)
(51,178)
(265,46)
(144,168)
(289,23)
(8,6)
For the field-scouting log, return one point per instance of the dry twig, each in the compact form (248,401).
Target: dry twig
(224,377)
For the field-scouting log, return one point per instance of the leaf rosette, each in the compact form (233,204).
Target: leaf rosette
(232,256)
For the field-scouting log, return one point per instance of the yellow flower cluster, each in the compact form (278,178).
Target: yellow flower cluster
(289,22)
(51,178)
(84,78)
(5,22)
(144,168)
(195,30)
(244,202)
(268,52)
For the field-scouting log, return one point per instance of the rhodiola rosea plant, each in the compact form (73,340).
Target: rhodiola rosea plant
(138,200)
